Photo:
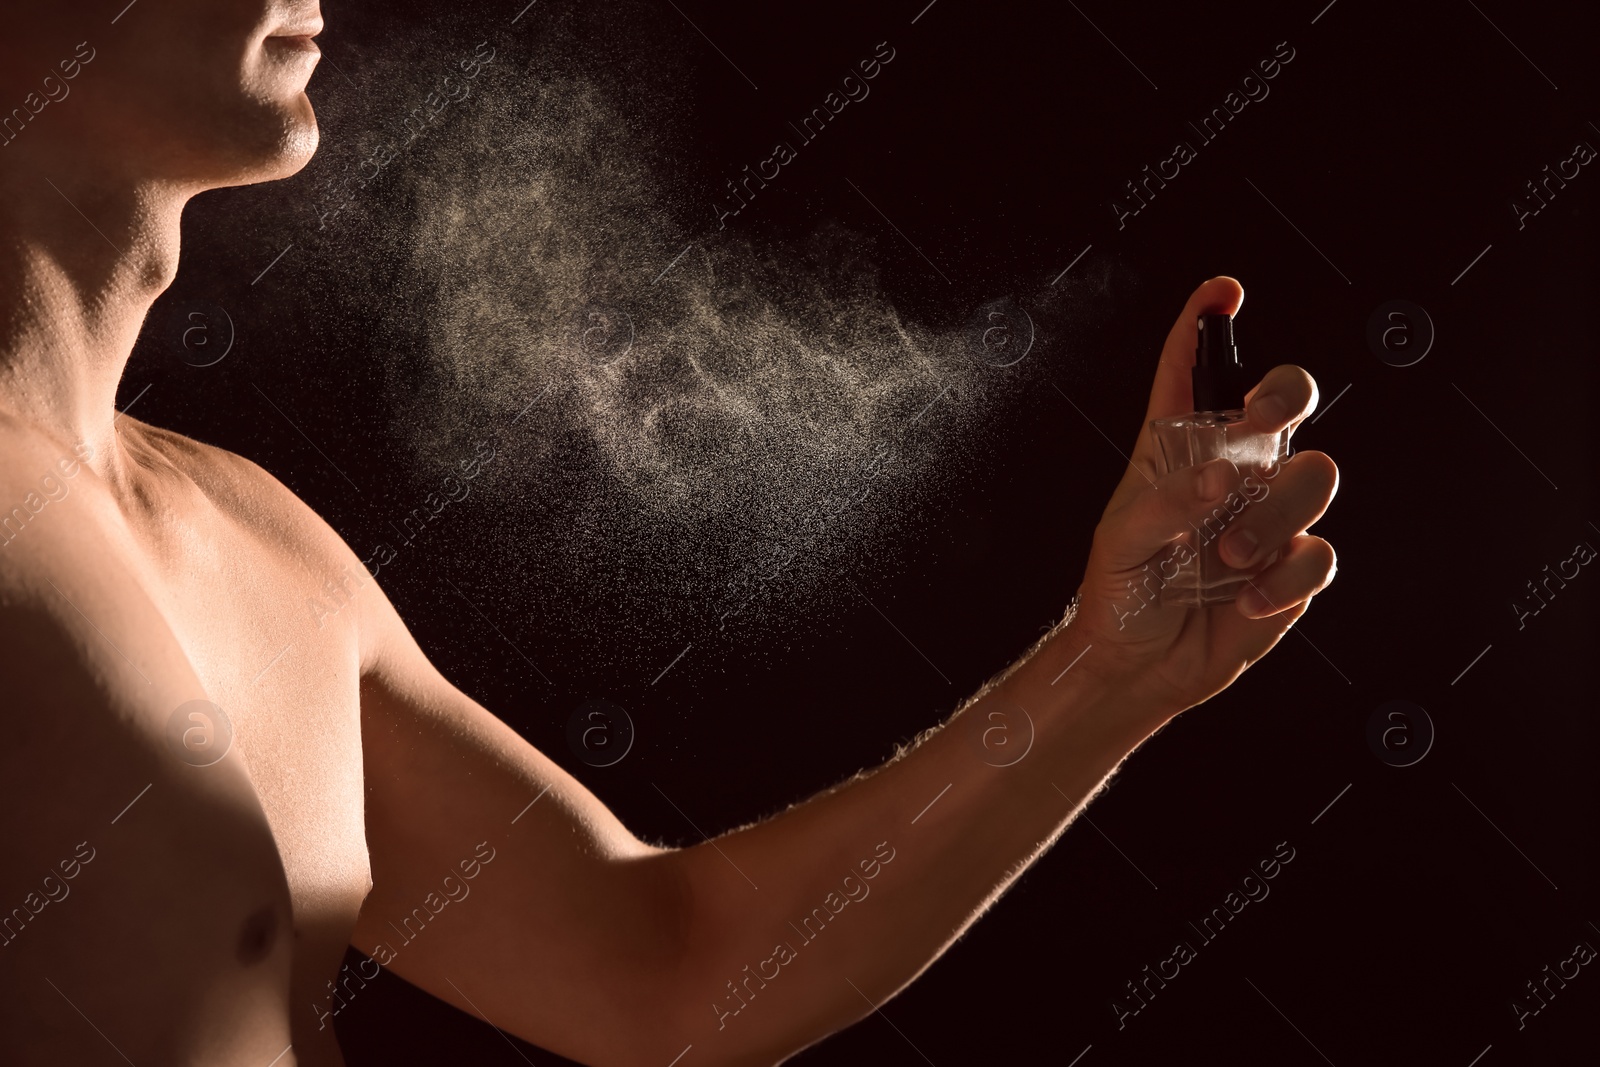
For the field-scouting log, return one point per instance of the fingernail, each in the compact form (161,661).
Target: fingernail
(1271,409)
(1240,546)
(1251,602)
(1212,483)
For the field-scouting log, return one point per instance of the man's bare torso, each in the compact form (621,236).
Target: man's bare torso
(217,900)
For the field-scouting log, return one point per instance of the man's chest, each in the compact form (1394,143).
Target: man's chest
(274,642)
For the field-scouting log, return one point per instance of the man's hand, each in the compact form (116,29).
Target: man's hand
(1178,656)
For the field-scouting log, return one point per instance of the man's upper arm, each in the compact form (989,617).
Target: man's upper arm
(501,884)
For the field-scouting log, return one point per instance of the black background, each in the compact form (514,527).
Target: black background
(1396,140)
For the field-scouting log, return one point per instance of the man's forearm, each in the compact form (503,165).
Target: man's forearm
(804,923)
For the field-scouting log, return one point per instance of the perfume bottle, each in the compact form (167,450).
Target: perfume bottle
(1195,574)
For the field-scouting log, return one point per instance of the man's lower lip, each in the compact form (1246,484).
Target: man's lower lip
(299,44)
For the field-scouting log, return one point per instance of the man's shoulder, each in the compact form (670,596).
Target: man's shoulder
(39,471)
(252,497)
(231,481)
(57,517)
(282,525)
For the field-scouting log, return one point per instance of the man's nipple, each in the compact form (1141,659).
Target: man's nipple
(257,934)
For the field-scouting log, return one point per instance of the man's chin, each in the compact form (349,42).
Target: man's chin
(296,142)
(301,142)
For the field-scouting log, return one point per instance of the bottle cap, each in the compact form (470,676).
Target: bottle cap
(1218,376)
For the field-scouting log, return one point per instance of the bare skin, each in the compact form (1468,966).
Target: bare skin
(173,912)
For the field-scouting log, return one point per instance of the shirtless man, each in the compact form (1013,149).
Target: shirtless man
(166,898)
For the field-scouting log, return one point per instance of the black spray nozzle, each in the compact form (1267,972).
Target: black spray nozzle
(1218,376)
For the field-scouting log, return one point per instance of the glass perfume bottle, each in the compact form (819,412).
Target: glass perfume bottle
(1195,574)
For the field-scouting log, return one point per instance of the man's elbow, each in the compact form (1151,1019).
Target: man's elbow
(696,1000)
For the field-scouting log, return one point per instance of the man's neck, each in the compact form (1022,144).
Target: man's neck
(81,260)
